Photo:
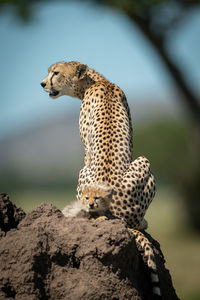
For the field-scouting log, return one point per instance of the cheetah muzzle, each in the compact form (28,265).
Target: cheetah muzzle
(53,93)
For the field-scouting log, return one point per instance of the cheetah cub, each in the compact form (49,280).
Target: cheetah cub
(97,198)
(95,202)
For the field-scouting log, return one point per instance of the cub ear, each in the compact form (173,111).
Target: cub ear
(107,190)
(86,188)
(81,71)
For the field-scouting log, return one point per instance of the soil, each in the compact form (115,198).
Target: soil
(44,255)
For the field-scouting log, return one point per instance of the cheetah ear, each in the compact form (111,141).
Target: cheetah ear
(81,71)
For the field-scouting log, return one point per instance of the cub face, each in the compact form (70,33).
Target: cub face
(97,197)
(64,78)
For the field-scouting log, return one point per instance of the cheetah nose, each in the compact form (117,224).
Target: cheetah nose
(43,84)
(91,205)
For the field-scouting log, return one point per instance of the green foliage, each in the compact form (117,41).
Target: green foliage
(144,8)
(165,144)
(22,9)
(138,7)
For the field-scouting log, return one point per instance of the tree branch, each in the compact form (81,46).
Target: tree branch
(190,100)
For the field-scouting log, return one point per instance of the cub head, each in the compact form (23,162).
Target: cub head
(65,78)
(97,197)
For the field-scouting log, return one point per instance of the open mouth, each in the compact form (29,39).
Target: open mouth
(53,93)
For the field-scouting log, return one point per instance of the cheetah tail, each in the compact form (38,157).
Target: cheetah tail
(155,285)
(146,250)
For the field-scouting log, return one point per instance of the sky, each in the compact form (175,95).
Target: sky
(103,39)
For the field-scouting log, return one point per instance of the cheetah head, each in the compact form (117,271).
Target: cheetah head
(97,197)
(65,78)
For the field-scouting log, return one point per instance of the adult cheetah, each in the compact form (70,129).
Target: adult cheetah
(106,133)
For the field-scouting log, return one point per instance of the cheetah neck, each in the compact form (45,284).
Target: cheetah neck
(95,76)
(91,78)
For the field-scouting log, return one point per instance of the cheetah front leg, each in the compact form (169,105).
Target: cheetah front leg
(87,158)
(101,218)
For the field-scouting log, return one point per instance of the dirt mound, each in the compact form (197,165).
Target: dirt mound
(10,215)
(48,256)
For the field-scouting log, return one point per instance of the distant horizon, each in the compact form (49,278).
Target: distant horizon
(140,114)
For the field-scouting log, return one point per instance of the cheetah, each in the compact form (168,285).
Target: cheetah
(106,133)
(96,199)
(97,206)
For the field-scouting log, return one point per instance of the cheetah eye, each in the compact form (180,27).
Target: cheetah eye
(55,73)
(86,198)
(96,198)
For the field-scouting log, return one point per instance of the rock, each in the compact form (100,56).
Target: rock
(10,215)
(48,256)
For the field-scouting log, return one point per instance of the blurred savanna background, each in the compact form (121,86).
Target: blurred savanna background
(151,49)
